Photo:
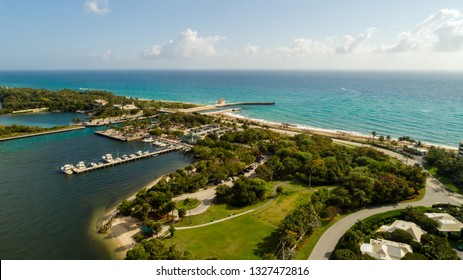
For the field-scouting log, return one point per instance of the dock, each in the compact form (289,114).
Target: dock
(108,160)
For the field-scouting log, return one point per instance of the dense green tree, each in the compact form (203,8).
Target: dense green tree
(414,256)
(154,249)
(401,236)
(437,248)
(245,191)
(344,254)
(125,208)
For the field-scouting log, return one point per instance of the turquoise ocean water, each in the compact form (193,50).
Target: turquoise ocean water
(427,106)
(47,215)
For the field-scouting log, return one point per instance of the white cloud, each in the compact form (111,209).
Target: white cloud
(186,45)
(442,32)
(350,43)
(255,50)
(99,7)
(107,55)
(304,46)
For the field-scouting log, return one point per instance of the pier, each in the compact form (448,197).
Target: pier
(80,168)
(212,107)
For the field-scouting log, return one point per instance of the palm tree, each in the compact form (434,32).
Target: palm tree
(374,134)
(388,137)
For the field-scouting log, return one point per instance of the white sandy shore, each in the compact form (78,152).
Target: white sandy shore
(341,134)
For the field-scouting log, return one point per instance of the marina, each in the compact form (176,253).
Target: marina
(108,160)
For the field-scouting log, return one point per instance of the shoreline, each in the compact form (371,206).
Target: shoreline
(113,210)
(60,130)
(338,134)
(119,239)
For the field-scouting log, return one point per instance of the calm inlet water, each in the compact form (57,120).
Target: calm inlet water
(45,214)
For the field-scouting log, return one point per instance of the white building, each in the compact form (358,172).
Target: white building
(447,223)
(415,231)
(385,249)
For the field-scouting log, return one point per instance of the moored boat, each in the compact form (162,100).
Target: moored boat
(67,169)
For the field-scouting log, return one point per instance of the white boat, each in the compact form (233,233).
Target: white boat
(160,144)
(148,140)
(67,169)
(139,153)
(108,158)
(81,166)
(132,156)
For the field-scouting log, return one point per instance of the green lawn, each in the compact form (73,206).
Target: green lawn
(444,180)
(215,212)
(240,238)
(235,239)
(187,204)
(304,250)
(284,204)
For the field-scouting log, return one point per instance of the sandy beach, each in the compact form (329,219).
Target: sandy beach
(297,129)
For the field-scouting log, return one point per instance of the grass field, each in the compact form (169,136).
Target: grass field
(444,180)
(240,238)
(235,239)
(215,212)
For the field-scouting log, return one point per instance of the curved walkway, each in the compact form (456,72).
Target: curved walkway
(435,193)
(262,207)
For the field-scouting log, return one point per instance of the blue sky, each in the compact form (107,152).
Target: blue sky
(219,34)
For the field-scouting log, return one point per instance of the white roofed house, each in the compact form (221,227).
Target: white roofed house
(385,249)
(415,231)
(447,223)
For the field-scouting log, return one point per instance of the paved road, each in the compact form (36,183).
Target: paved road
(435,193)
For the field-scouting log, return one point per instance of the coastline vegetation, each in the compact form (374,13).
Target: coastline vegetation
(20,130)
(447,166)
(67,100)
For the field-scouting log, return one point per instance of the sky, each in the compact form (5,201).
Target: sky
(238,34)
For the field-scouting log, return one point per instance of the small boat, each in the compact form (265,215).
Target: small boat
(148,140)
(108,158)
(81,166)
(67,169)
